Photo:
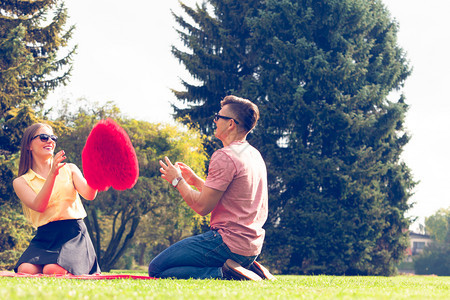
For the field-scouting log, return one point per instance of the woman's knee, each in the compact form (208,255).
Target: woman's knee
(54,269)
(29,268)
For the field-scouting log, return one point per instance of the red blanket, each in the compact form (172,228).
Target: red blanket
(95,276)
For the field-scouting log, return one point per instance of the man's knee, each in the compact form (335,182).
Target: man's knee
(153,270)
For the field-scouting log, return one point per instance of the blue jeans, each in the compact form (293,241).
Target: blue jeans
(199,257)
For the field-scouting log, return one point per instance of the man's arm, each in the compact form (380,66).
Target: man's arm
(190,176)
(203,201)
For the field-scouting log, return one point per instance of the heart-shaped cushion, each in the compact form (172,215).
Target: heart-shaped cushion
(109,158)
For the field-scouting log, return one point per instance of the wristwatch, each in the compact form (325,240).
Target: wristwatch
(176,181)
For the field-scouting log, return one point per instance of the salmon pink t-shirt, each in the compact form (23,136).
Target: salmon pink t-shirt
(240,172)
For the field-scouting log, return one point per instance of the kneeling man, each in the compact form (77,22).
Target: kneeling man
(234,192)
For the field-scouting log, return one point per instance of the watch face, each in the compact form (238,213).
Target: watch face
(175,182)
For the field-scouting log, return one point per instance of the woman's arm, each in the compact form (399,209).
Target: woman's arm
(81,184)
(39,202)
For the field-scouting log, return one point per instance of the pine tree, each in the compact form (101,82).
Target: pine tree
(328,67)
(220,56)
(31,36)
(321,72)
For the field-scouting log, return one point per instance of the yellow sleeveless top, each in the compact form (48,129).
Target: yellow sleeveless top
(64,201)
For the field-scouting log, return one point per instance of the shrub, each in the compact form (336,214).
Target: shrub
(435,259)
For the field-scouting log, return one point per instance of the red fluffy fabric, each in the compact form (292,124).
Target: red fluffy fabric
(109,159)
(70,276)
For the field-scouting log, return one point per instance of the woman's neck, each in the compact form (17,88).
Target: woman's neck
(42,167)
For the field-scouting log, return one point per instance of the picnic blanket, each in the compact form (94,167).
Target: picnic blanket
(70,276)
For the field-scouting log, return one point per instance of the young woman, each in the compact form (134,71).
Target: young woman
(49,191)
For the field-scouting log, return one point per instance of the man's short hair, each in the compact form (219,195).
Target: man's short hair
(245,111)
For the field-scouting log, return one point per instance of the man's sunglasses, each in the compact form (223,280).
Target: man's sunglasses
(44,137)
(217,117)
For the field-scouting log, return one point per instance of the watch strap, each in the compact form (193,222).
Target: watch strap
(178,181)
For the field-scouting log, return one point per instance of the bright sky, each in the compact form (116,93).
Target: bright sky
(124,56)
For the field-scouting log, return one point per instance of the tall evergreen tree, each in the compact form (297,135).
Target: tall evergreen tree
(321,72)
(220,56)
(31,36)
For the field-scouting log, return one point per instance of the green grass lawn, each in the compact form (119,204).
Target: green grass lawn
(286,287)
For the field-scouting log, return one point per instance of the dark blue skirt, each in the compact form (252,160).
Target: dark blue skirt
(66,243)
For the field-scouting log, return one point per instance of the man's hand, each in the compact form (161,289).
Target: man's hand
(202,201)
(169,171)
(190,176)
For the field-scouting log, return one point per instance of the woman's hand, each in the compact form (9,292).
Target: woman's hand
(57,163)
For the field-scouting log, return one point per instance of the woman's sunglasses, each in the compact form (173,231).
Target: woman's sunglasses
(44,137)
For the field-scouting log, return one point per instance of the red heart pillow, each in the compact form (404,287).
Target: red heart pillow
(109,158)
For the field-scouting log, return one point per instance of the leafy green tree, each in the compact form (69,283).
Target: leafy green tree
(320,72)
(114,217)
(15,234)
(32,36)
(435,258)
(438,225)
(164,226)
